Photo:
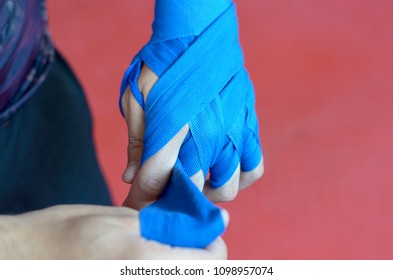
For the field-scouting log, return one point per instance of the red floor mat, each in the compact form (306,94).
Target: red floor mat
(323,76)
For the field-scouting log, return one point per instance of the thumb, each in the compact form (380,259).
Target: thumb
(134,116)
(154,174)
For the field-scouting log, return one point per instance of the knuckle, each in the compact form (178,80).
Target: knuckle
(227,193)
(256,174)
(150,186)
(135,143)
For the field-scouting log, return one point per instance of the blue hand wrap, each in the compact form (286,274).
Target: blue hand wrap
(196,54)
(182,216)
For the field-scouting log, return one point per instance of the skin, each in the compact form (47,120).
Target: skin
(88,232)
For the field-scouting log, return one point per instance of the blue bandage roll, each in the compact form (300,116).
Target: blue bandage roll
(196,54)
(182,216)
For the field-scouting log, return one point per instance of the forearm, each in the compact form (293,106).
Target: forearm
(10,235)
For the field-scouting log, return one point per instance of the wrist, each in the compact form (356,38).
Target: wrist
(176,19)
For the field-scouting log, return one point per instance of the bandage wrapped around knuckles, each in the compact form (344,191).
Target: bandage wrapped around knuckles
(195,52)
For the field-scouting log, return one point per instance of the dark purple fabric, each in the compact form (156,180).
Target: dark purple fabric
(22,27)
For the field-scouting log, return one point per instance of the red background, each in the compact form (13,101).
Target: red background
(322,71)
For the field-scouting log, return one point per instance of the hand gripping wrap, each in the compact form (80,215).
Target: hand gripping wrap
(196,54)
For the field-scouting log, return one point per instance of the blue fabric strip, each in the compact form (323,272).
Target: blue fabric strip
(191,81)
(182,216)
(182,18)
